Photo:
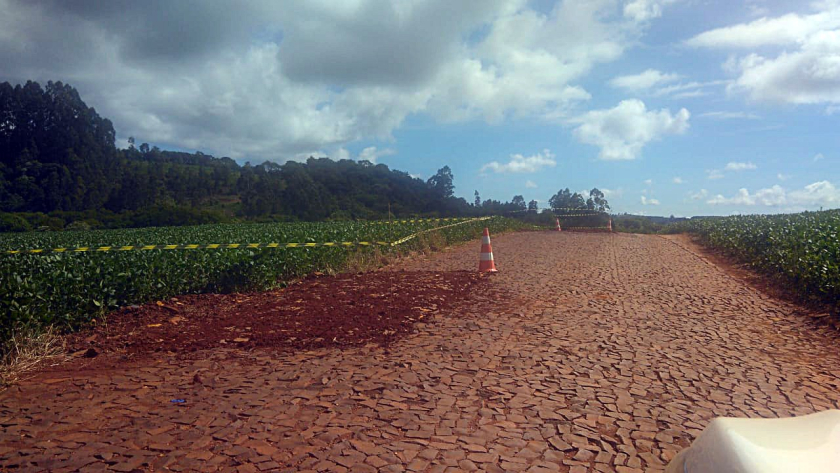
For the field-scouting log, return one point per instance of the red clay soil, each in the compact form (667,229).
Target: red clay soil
(346,310)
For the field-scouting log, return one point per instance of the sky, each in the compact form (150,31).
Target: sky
(671,107)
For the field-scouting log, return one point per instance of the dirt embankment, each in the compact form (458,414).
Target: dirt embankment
(346,310)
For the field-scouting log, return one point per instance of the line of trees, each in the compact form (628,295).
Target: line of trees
(59,164)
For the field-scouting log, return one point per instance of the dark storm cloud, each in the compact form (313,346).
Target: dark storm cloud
(153,30)
(377,43)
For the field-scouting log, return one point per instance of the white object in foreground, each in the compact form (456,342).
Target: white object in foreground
(732,445)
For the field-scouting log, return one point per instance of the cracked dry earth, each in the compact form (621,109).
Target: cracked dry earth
(587,352)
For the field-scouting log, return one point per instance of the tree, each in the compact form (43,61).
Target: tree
(56,152)
(441,182)
(533,206)
(477,199)
(564,200)
(59,157)
(518,202)
(597,201)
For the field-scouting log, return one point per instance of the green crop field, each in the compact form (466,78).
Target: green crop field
(803,250)
(69,289)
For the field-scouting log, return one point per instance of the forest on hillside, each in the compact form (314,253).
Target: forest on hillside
(60,167)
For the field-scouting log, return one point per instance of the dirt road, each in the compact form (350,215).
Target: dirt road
(587,352)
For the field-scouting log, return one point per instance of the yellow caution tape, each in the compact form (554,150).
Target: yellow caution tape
(211,246)
(214,246)
(579,209)
(418,220)
(569,209)
(579,215)
(415,235)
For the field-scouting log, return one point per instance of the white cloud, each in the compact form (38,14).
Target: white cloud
(735,166)
(530,185)
(808,76)
(821,193)
(771,196)
(742,197)
(688,89)
(648,181)
(281,81)
(612,193)
(714,174)
(783,177)
(645,10)
(806,71)
(340,153)
(818,157)
(699,195)
(757,10)
(690,95)
(730,115)
(525,50)
(677,180)
(372,154)
(522,164)
(621,132)
(784,30)
(644,80)
(730,166)
(651,201)
(659,84)
(608,193)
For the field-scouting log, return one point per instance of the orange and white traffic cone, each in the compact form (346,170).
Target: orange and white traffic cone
(486,264)
(558,225)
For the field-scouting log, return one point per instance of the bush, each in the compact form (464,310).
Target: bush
(13,223)
(78,225)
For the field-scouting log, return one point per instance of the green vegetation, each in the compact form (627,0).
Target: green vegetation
(59,165)
(67,290)
(61,170)
(802,250)
(643,224)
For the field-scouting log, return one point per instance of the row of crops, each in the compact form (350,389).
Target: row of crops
(801,249)
(69,289)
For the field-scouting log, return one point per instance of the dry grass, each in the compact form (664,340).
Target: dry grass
(27,351)
(432,241)
(369,259)
(365,260)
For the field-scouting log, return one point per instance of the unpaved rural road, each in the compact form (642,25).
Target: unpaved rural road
(587,352)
